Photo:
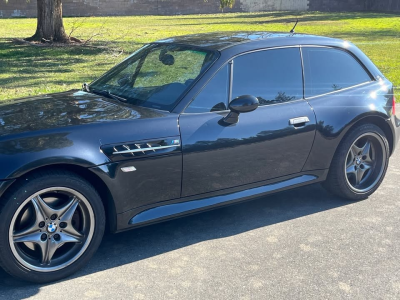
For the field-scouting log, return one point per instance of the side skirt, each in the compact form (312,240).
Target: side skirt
(145,216)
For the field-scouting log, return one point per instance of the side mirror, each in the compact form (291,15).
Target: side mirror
(239,105)
(167,59)
(85,87)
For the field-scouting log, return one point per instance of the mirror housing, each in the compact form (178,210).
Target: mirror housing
(167,59)
(85,87)
(239,105)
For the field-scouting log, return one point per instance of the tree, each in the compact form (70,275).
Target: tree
(50,25)
(226,3)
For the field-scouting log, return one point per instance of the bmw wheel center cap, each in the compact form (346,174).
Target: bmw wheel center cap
(51,227)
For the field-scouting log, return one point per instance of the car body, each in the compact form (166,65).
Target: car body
(150,164)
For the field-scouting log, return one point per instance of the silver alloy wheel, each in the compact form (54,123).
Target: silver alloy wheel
(365,162)
(51,229)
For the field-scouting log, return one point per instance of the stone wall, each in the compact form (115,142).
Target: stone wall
(22,8)
(355,5)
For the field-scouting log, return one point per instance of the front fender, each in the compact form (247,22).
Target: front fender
(4,185)
(19,155)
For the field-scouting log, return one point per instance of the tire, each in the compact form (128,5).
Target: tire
(349,162)
(52,223)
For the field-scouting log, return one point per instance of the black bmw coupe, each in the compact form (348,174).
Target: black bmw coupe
(184,125)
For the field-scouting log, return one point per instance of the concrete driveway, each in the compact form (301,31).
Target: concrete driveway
(298,244)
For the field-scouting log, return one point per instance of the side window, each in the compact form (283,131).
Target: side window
(273,76)
(214,96)
(328,70)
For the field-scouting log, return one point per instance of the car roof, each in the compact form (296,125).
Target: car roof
(228,39)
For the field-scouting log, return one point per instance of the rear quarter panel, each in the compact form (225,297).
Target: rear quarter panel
(338,112)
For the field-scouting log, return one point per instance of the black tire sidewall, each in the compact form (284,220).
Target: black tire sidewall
(340,158)
(24,189)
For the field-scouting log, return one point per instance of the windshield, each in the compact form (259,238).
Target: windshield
(156,76)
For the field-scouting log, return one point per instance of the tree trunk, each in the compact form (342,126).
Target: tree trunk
(49,22)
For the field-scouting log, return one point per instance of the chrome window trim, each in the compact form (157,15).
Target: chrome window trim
(300,46)
(303,73)
(341,90)
(227,111)
(203,87)
(230,82)
(344,89)
(264,49)
(230,62)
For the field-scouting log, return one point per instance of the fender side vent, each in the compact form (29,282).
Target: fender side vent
(139,149)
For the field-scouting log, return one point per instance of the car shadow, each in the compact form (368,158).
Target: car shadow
(142,243)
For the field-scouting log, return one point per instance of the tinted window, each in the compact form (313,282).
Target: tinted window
(328,70)
(214,97)
(156,76)
(273,76)
(184,65)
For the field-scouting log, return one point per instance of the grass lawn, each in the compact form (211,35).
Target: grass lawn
(27,70)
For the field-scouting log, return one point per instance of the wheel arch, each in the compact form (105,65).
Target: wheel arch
(381,123)
(374,119)
(330,142)
(104,192)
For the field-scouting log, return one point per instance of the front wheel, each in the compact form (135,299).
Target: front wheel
(359,164)
(54,222)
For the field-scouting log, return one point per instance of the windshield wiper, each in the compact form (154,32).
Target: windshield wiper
(118,97)
(107,94)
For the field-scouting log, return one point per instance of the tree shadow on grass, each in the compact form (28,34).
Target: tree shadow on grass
(31,59)
(26,66)
(133,246)
(289,16)
(365,36)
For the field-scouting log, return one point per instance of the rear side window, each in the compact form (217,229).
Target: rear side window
(273,76)
(327,70)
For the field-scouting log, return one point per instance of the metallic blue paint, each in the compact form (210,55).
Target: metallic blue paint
(214,161)
(164,211)
(267,145)
(4,185)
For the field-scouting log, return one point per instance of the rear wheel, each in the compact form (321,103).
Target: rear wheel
(360,163)
(54,222)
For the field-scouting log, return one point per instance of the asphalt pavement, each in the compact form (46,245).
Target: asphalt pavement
(299,244)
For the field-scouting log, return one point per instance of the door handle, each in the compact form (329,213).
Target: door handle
(299,122)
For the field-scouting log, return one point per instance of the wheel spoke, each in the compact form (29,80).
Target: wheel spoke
(43,233)
(351,156)
(351,169)
(26,232)
(66,217)
(359,175)
(27,237)
(355,150)
(70,230)
(49,249)
(67,212)
(69,238)
(366,152)
(50,246)
(366,166)
(39,213)
(45,210)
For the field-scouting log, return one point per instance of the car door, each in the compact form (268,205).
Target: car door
(270,142)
